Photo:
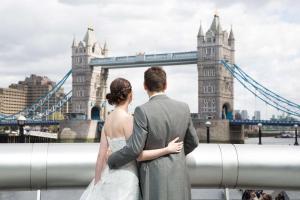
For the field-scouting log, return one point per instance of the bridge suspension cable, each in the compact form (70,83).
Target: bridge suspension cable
(30,111)
(269,97)
(266,90)
(57,106)
(264,97)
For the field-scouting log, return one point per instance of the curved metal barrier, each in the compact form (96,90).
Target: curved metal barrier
(245,166)
(58,165)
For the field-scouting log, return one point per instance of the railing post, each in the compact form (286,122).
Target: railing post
(226,191)
(21,134)
(38,195)
(296,134)
(21,122)
(207,124)
(207,135)
(259,133)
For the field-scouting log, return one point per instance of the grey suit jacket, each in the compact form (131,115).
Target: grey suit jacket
(156,123)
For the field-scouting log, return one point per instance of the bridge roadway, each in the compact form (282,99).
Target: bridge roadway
(147,60)
(58,165)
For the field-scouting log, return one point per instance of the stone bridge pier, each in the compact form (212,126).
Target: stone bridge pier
(221,131)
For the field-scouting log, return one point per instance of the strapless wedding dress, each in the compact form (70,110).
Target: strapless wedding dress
(115,184)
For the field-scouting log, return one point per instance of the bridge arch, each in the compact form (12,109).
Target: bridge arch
(95,113)
(227,111)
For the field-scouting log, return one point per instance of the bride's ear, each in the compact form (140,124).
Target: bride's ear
(130,97)
(165,86)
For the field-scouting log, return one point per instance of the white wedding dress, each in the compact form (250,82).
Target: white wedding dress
(115,184)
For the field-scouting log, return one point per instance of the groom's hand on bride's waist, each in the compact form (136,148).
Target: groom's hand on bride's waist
(109,162)
(108,153)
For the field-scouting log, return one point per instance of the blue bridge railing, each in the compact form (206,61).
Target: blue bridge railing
(145,60)
(29,122)
(264,122)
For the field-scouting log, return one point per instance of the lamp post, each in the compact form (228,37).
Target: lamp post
(296,134)
(207,124)
(259,132)
(21,122)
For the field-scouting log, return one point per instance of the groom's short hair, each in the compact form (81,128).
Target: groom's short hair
(155,79)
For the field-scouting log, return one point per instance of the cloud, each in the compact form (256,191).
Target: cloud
(79,2)
(36,38)
(250,4)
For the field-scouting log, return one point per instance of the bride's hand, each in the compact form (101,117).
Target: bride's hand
(174,146)
(96,181)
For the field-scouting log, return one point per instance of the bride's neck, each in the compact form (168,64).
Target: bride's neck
(123,107)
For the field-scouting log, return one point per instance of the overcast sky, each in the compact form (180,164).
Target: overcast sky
(36,36)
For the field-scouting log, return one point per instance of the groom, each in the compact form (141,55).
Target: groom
(156,123)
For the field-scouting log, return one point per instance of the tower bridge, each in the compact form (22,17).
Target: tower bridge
(90,66)
(215,61)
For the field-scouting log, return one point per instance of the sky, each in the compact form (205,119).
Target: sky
(36,37)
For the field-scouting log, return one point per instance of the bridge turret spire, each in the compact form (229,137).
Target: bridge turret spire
(74,43)
(104,50)
(219,29)
(90,37)
(231,38)
(200,32)
(215,25)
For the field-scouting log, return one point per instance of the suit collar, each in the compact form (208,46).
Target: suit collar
(156,94)
(159,96)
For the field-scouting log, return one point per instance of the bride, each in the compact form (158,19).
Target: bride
(123,183)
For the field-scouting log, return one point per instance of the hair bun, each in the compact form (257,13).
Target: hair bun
(119,90)
(109,98)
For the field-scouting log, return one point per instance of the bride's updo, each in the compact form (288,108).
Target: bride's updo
(120,88)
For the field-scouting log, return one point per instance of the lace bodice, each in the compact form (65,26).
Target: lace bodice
(116,144)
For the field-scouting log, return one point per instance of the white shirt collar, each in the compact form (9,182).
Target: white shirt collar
(156,94)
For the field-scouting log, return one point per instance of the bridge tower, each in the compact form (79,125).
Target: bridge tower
(215,83)
(88,83)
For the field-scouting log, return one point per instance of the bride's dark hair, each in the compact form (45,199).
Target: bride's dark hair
(120,88)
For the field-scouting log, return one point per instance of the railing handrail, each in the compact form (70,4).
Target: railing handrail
(57,165)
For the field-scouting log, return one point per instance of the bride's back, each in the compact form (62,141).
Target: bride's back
(115,184)
(118,124)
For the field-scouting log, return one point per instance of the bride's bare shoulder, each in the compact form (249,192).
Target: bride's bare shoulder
(129,116)
(119,116)
(126,118)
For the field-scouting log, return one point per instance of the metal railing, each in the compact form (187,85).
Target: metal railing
(58,165)
(264,122)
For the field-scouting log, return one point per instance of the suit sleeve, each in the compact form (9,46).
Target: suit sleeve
(191,139)
(135,143)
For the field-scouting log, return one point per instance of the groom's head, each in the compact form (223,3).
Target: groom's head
(155,80)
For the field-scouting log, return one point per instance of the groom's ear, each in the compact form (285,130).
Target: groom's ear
(145,86)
